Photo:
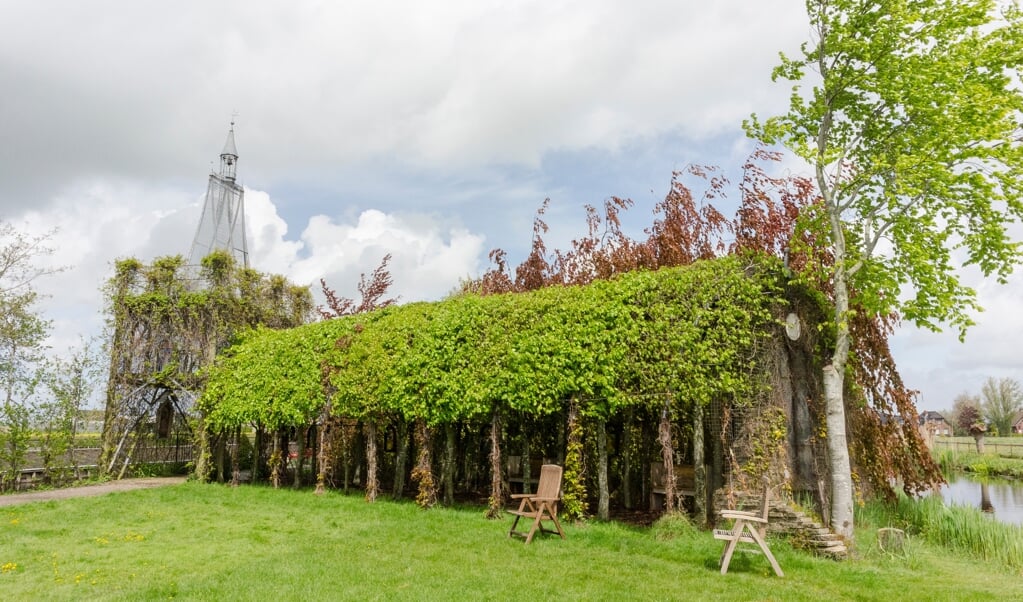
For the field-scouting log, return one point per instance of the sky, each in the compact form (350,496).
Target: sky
(431,131)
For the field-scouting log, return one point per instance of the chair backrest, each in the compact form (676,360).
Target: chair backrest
(765,500)
(550,481)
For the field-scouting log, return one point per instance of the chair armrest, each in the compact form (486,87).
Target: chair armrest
(545,499)
(739,514)
(519,496)
(744,516)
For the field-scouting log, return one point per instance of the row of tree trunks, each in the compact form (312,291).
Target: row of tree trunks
(430,486)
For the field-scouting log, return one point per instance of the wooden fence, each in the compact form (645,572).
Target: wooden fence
(86,460)
(1009,447)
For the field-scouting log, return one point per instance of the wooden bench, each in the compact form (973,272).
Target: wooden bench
(685,483)
(516,476)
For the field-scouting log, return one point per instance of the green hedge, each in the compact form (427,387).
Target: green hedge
(697,333)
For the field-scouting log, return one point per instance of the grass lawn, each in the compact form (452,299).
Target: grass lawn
(1008,447)
(210,542)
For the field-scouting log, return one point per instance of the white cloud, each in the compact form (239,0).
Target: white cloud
(452,87)
(428,258)
(942,367)
(437,123)
(97,223)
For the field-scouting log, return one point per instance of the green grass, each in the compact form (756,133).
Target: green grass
(961,529)
(210,542)
(1008,447)
(987,464)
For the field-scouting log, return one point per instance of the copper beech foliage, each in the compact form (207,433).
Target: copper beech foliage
(775,216)
(371,290)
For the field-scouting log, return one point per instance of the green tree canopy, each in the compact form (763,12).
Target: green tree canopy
(1003,399)
(912,124)
(695,332)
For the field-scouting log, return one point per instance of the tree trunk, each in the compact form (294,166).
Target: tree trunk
(834,372)
(699,469)
(219,456)
(604,499)
(526,463)
(326,452)
(236,471)
(372,485)
(496,501)
(202,453)
(717,461)
(71,449)
(838,453)
(448,464)
(401,457)
(978,440)
(626,452)
(257,454)
(668,457)
(275,461)
(573,486)
(423,472)
(302,433)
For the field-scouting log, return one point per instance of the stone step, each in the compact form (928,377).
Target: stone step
(829,545)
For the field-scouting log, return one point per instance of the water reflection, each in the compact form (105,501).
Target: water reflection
(1002,498)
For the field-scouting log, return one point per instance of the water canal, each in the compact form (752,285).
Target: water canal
(1003,499)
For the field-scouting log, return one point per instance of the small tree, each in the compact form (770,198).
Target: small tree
(965,413)
(912,127)
(1003,399)
(22,331)
(71,382)
(16,418)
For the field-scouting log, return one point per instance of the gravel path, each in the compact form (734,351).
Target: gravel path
(14,499)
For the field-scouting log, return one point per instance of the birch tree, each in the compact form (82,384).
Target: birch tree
(909,112)
(22,330)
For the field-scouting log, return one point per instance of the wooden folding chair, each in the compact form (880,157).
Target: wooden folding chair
(540,506)
(749,527)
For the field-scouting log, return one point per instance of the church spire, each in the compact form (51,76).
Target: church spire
(222,223)
(229,157)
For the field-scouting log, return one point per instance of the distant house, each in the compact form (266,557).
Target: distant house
(1017,423)
(933,422)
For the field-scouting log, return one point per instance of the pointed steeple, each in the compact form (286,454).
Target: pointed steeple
(229,157)
(222,223)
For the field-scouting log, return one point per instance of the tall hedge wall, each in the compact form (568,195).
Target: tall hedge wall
(695,333)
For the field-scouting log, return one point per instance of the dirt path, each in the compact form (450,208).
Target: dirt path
(14,499)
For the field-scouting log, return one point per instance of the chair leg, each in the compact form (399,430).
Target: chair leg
(557,524)
(514,524)
(767,552)
(536,525)
(726,554)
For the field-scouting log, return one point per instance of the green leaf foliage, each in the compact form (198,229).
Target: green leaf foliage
(912,121)
(693,331)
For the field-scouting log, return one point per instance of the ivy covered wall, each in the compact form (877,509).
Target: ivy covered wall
(620,353)
(168,322)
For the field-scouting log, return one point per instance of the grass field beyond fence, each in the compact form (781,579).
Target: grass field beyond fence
(211,542)
(1009,447)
